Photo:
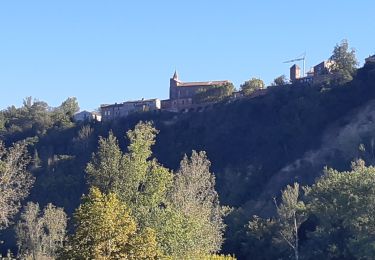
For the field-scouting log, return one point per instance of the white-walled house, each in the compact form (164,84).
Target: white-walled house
(87,116)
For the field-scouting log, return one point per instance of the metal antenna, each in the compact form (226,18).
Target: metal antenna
(301,57)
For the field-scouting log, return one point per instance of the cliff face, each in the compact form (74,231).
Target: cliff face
(258,145)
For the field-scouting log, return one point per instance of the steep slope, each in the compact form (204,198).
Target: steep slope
(256,145)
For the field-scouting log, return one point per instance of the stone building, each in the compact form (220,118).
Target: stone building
(295,73)
(114,111)
(87,116)
(319,73)
(181,93)
(323,68)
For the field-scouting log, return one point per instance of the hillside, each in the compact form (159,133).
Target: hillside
(256,146)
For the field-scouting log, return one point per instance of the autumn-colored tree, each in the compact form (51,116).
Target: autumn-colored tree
(105,229)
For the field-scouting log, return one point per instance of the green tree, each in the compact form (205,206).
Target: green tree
(194,195)
(69,107)
(29,232)
(343,203)
(83,141)
(291,213)
(280,81)
(252,85)
(259,242)
(54,224)
(2,121)
(62,115)
(15,180)
(105,170)
(138,180)
(214,93)
(344,61)
(105,229)
(41,235)
(281,232)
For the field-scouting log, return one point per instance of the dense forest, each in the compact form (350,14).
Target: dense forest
(278,176)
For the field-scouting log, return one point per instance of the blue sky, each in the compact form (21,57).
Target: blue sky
(112,51)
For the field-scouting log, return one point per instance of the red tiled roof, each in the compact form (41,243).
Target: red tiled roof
(203,83)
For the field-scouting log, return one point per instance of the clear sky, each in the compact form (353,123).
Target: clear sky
(117,50)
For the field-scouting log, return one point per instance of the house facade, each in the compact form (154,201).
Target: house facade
(319,73)
(87,116)
(114,111)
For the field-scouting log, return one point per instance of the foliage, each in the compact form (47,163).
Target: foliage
(214,94)
(344,61)
(15,180)
(343,203)
(185,214)
(138,181)
(252,85)
(260,239)
(194,195)
(291,213)
(280,81)
(282,232)
(41,235)
(105,169)
(63,114)
(218,257)
(105,229)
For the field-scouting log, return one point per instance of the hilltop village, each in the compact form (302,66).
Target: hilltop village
(181,94)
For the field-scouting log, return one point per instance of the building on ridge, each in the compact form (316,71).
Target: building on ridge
(115,111)
(317,74)
(181,93)
(370,59)
(87,116)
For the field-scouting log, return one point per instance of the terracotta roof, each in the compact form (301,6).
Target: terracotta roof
(203,83)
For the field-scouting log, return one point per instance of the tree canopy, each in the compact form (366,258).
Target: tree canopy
(344,61)
(41,235)
(214,94)
(15,180)
(158,201)
(252,85)
(280,81)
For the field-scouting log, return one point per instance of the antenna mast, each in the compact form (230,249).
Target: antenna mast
(302,57)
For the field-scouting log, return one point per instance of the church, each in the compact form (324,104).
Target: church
(181,93)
